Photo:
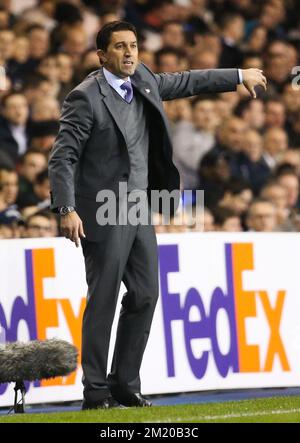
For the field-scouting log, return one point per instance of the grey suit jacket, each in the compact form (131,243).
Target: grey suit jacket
(90,152)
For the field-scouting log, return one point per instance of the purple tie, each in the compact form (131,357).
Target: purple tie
(127,86)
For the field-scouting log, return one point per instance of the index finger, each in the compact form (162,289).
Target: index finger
(77,242)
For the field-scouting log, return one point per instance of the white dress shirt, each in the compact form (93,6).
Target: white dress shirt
(115,82)
(19,134)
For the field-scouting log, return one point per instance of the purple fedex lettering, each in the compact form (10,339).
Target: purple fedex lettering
(168,258)
(21,311)
(206,327)
(192,330)
(219,301)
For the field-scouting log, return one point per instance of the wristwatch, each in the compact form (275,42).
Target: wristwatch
(64,210)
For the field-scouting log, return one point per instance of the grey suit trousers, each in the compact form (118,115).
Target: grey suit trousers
(126,253)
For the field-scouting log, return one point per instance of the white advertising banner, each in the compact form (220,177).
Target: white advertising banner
(227,317)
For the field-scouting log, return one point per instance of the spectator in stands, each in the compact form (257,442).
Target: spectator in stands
(169,59)
(207,39)
(7,41)
(43,134)
(74,43)
(36,87)
(148,58)
(237,196)
(17,62)
(261,216)
(13,125)
(289,179)
(291,157)
(252,61)
(178,110)
(277,194)
(193,139)
(41,193)
(48,67)
(257,40)
(278,66)
(173,35)
(39,46)
(89,63)
(252,112)
(291,99)
(275,145)
(275,114)
(8,196)
(205,59)
(250,165)
(39,225)
(32,163)
(272,16)
(4,18)
(232,30)
(65,74)
(45,109)
(208,220)
(231,135)
(214,173)
(226,220)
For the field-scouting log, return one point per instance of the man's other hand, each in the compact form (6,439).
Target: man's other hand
(71,227)
(254,77)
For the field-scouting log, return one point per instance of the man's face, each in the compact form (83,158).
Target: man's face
(205,116)
(34,163)
(39,227)
(262,217)
(276,141)
(10,186)
(291,183)
(168,63)
(277,194)
(121,55)
(16,109)
(42,190)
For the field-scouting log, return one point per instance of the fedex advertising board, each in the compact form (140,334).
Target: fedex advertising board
(227,317)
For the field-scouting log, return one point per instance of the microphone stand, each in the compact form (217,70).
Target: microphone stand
(19,408)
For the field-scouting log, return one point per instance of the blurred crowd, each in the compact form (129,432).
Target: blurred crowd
(244,154)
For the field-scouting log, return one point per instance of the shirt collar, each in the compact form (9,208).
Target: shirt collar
(113,79)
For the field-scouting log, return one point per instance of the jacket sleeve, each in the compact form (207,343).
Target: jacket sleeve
(189,83)
(75,127)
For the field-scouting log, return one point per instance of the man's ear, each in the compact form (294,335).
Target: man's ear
(101,56)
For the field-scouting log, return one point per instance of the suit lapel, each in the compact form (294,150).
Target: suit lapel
(109,101)
(143,87)
(145,90)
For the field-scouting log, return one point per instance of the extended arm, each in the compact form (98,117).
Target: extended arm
(188,83)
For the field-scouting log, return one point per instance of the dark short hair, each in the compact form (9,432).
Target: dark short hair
(42,213)
(236,186)
(30,152)
(221,214)
(104,35)
(169,50)
(9,95)
(44,128)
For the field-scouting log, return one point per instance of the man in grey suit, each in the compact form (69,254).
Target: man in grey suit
(113,129)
